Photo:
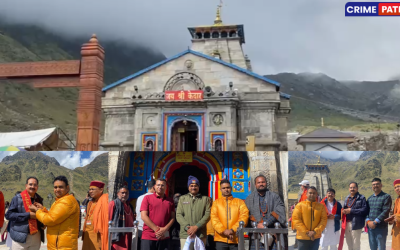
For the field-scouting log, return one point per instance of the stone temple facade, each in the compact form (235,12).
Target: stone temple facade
(203,99)
(318,176)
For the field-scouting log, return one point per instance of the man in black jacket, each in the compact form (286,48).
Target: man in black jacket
(356,210)
(26,231)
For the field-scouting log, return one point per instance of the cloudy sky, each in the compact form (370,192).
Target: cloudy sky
(281,36)
(68,159)
(348,155)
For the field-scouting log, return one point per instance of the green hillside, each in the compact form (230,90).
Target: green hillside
(15,169)
(384,165)
(23,107)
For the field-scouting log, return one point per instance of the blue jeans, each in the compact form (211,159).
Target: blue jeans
(377,238)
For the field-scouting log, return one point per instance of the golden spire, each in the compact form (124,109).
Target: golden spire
(318,158)
(218,21)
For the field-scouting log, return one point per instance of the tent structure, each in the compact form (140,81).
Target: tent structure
(35,140)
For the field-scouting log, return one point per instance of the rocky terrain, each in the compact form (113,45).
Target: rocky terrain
(384,165)
(347,105)
(342,103)
(15,169)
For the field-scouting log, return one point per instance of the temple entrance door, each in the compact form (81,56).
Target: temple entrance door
(179,180)
(184,136)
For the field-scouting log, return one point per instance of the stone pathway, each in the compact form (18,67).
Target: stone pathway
(364,241)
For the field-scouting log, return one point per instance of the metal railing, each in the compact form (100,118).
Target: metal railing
(267,232)
(134,230)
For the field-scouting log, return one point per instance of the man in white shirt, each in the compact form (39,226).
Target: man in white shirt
(150,186)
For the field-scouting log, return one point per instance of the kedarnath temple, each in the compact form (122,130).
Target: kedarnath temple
(206,98)
(135,169)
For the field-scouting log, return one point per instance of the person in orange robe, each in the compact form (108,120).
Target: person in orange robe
(95,228)
(395,218)
(120,212)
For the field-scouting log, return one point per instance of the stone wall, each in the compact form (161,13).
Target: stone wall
(230,49)
(363,141)
(318,179)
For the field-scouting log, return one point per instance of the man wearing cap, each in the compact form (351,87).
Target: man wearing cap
(95,228)
(304,185)
(193,212)
(395,218)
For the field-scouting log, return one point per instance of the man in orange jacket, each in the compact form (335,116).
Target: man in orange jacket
(62,220)
(309,219)
(226,213)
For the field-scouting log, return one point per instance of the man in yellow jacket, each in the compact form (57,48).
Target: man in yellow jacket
(309,219)
(226,213)
(62,220)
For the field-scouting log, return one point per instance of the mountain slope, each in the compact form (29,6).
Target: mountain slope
(23,107)
(15,169)
(342,104)
(384,165)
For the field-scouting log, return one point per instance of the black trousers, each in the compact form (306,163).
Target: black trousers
(210,244)
(174,245)
(155,244)
(139,240)
(308,244)
(225,246)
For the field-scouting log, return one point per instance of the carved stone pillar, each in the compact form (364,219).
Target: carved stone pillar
(89,102)
(113,159)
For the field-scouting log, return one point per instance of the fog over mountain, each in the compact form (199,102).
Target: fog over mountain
(281,36)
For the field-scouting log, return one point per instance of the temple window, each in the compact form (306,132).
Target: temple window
(224,34)
(215,34)
(207,34)
(199,35)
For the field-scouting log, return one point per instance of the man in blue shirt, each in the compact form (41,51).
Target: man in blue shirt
(379,207)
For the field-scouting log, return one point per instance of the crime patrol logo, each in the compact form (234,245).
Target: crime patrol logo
(372,9)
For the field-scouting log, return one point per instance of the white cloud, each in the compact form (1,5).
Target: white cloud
(281,36)
(93,155)
(68,159)
(348,155)
(6,153)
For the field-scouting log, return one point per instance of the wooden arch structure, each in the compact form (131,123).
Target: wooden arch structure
(86,74)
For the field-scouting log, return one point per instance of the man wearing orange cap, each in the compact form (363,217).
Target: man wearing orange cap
(395,218)
(95,228)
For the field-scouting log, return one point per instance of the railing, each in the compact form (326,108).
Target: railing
(267,235)
(133,230)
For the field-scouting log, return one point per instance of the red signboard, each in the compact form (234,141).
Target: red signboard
(184,95)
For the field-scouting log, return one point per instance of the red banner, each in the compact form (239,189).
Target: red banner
(184,95)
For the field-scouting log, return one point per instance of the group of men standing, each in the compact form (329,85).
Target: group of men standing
(199,217)
(28,218)
(194,214)
(327,223)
